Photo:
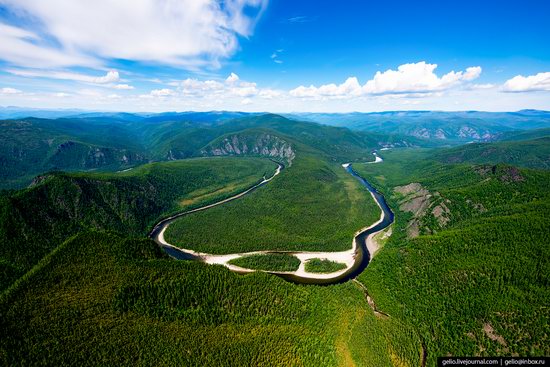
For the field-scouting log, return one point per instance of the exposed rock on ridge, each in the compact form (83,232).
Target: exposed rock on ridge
(262,144)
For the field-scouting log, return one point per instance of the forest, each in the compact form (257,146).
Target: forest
(464,271)
(313,205)
(34,221)
(478,284)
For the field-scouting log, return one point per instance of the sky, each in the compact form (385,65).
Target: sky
(275,56)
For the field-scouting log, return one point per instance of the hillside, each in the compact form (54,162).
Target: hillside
(464,271)
(33,146)
(451,127)
(117,141)
(252,143)
(313,205)
(36,220)
(117,301)
(525,153)
(467,263)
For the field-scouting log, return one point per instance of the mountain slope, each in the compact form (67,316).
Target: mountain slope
(450,127)
(473,277)
(117,301)
(117,141)
(35,220)
(525,153)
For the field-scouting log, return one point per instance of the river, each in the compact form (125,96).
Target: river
(361,256)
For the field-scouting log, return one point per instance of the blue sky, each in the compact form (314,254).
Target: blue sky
(279,56)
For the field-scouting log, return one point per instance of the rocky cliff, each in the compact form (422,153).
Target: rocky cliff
(256,144)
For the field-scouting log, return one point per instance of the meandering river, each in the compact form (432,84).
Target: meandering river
(359,255)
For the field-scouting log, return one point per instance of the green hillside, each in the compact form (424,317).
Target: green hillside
(525,153)
(111,142)
(36,220)
(103,299)
(464,272)
(312,205)
(33,146)
(467,264)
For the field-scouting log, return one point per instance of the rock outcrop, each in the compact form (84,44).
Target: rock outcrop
(258,144)
(424,206)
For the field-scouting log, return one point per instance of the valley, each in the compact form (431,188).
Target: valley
(235,183)
(348,263)
(269,207)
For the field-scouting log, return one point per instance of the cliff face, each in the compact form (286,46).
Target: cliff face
(262,144)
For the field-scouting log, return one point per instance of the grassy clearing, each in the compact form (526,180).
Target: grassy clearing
(269,262)
(323,266)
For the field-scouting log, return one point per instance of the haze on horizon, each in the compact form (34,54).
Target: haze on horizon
(276,56)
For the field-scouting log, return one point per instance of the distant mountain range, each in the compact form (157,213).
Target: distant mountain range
(452,127)
(117,141)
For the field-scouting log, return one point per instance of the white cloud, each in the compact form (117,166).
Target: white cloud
(111,76)
(520,83)
(9,90)
(418,78)
(269,93)
(21,47)
(108,80)
(472,73)
(482,86)
(61,95)
(244,89)
(232,86)
(246,101)
(197,87)
(123,87)
(232,78)
(350,88)
(165,92)
(188,33)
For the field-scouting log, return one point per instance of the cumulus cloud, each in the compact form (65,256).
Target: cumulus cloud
(8,90)
(269,93)
(532,83)
(232,78)
(232,86)
(123,87)
(189,33)
(110,77)
(165,92)
(349,88)
(415,78)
